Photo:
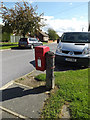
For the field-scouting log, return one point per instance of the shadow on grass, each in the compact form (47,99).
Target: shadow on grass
(68,66)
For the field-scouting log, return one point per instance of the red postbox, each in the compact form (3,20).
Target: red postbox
(40,57)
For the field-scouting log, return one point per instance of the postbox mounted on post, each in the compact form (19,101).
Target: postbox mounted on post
(40,60)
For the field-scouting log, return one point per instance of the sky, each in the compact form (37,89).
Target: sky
(61,15)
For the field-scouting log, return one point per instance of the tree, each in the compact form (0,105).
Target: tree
(22,19)
(52,34)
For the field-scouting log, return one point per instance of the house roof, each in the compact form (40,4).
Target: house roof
(43,33)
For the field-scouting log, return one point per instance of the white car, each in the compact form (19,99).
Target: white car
(74,47)
(29,42)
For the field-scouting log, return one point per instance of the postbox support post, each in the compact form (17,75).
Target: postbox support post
(50,79)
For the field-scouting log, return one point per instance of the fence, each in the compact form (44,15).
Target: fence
(14,38)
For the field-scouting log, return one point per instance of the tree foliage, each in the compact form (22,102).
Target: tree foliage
(5,37)
(52,34)
(22,19)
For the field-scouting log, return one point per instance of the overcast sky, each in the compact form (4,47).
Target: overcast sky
(62,16)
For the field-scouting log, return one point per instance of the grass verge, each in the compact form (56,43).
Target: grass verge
(41,77)
(8,43)
(45,42)
(8,47)
(72,89)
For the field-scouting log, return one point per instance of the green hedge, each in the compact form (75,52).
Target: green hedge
(5,37)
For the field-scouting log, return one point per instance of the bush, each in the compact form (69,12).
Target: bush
(5,37)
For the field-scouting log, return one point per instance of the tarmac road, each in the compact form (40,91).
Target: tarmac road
(18,62)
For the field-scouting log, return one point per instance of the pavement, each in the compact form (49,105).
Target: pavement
(22,102)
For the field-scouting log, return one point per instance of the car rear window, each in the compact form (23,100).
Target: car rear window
(23,39)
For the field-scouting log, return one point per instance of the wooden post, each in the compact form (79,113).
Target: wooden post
(50,80)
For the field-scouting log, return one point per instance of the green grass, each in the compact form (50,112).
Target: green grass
(45,42)
(41,77)
(8,47)
(72,88)
(6,43)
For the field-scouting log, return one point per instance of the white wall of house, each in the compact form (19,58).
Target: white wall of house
(45,38)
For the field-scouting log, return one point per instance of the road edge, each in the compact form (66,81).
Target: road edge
(13,81)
